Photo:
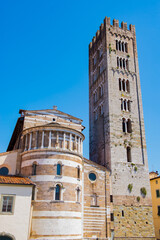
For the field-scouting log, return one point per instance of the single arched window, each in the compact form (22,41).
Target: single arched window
(34,169)
(129,126)
(124,65)
(78,194)
(123,46)
(58,192)
(5,238)
(127,86)
(120,87)
(120,62)
(4,171)
(128,154)
(116,44)
(78,172)
(126,47)
(127,65)
(120,46)
(59,169)
(123,85)
(124,125)
(117,61)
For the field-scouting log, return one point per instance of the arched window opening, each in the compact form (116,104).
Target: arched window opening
(129,105)
(123,46)
(126,47)
(127,66)
(4,171)
(124,125)
(120,89)
(78,172)
(123,84)
(58,192)
(127,86)
(34,168)
(94,200)
(122,213)
(78,194)
(129,127)
(118,62)
(117,45)
(59,169)
(125,105)
(120,46)
(121,104)
(128,154)
(124,66)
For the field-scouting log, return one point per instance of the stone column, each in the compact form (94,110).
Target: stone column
(64,140)
(57,141)
(30,141)
(26,142)
(42,144)
(78,144)
(49,142)
(70,142)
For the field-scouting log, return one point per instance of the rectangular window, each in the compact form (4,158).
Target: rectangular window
(158,210)
(158,193)
(7,204)
(111,198)
(112,217)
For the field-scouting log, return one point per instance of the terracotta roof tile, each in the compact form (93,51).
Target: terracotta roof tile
(15,180)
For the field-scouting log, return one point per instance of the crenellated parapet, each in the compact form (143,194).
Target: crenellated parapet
(112,28)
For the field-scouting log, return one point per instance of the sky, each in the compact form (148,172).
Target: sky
(44,60)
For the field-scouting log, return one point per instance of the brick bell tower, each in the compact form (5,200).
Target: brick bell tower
(117,135)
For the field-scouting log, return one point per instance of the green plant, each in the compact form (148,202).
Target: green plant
(138,199)
(109,29)
(110,49)
(143,191)
(128,56)
(130,186)
(132,164)
(135,168)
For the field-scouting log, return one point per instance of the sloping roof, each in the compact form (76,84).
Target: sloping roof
(15,180)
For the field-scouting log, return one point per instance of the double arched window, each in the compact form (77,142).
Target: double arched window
(126,125)
(124,85)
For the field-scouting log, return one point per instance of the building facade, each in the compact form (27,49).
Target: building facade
(155,192)
(72,194)
(117,135)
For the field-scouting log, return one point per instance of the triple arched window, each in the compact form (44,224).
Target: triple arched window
(126,125)
(124,85)
(125,105)
(121,46)
(122,63)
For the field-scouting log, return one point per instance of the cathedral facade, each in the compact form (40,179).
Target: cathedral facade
(106,197)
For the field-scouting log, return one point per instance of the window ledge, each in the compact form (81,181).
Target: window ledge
(94,206)
(57,201)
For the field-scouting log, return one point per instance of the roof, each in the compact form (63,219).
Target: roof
(15,180)
(154,178)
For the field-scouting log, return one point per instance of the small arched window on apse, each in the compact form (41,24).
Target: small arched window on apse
(34,168)
(4,171)
(128,149)
(78,172)
(127,86)
(59,169)
(58,192)
(78,194)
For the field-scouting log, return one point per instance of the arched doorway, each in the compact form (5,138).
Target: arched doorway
(5,238)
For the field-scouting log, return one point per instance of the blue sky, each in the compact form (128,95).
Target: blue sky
(44,59)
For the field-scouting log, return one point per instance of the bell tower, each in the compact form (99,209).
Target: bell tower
(117,135)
